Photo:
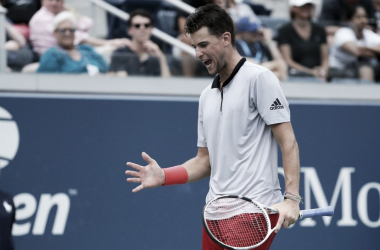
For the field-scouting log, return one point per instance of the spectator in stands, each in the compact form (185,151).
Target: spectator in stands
(303,43)
(376,5)
(20,12)
(141,56)
(256,44)
(67,57)
(334,14)
(41,30)
(355,48)
(18,52)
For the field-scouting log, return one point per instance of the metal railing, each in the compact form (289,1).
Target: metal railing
(155,32)
(181,5)
(3,51)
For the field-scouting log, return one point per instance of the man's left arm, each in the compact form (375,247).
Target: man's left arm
(288,209)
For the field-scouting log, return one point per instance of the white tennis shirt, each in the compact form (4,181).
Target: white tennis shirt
(234,125)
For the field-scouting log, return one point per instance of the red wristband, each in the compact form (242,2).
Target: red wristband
(175,175)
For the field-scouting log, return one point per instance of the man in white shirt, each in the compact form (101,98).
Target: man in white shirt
(243,117)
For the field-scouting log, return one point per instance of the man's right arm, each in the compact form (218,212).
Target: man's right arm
(198,167)
(153,175)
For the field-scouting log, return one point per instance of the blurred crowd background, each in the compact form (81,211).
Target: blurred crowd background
(299,40)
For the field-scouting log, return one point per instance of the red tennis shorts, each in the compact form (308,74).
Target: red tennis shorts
(209,244)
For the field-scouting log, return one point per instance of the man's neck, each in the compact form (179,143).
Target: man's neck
(231,62)
(137,47)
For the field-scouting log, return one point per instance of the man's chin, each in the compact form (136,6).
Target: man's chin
(212,71)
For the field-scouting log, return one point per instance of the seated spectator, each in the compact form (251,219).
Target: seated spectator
(334,14)
(355,48)
(18,52)
(20,12)
(303,43)
(141,56)
(256,44)
(67,57)
(41,30)
(376,5)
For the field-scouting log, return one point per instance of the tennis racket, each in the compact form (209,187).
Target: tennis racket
(239,223)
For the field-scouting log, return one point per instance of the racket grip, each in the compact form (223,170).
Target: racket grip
(328,211)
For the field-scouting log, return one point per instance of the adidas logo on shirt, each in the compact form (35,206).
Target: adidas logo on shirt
(276,105)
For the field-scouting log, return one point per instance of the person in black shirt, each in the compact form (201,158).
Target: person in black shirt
(303,43)
(21,11)
(141,56)
(7,218)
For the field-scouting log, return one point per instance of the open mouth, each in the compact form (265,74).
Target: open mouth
(207,62)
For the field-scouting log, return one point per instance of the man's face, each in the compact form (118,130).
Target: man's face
(54,6)
(211,50)
(141,28)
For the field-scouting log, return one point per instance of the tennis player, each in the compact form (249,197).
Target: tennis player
(243,117)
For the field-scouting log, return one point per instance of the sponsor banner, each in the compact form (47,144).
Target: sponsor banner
(63,159)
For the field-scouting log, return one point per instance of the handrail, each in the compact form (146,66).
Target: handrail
(3,51)
(181,5)
(155,32)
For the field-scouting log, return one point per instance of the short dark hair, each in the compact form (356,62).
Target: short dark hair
(139,12)
(214,18)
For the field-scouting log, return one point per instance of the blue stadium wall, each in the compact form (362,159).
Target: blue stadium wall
(66,173)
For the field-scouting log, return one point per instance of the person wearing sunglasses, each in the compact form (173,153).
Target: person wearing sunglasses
(67,57)
(41,31)
(141,56)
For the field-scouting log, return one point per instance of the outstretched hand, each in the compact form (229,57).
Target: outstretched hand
(150,176)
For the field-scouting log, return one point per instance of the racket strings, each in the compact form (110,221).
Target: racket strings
(247,228)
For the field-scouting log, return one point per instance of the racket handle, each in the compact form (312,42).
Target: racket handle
(328,211)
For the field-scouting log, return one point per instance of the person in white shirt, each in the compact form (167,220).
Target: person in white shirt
(243,116)
(355,49)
